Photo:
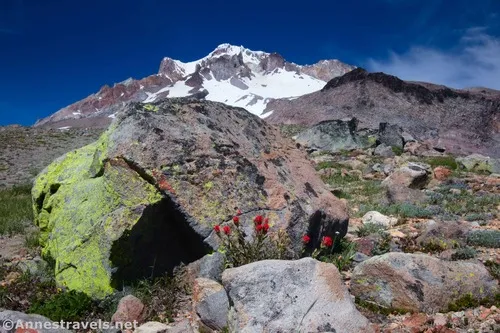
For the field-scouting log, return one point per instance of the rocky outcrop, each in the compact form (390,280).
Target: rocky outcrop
(288,296)
(146,195)
(461,121)
(334,136)
(420,283)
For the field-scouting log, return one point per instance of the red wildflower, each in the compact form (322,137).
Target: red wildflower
(226,230)
(238,213)
(236,220)
(266,220)
(327,241)
(217,229)
(258,227)
(265,227)
(258,220)
(306,239)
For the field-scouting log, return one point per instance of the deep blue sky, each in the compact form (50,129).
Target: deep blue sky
(55,52)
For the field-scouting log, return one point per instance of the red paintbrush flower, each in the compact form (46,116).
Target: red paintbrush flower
(238,213)
(258,220)
(327,241)
(265,227)
(306,239)
(226,230)
(236,220)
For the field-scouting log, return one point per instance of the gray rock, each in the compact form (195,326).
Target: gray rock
(35,267)
(418,282)
(40,323)
(289,296)
(384,151)
(360,257)
(390,135)
(210,303)
(152,327)
(333,136)
(210,266)
(377,218)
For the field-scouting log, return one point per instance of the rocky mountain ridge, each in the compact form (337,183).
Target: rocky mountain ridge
(230,74)
(462,121)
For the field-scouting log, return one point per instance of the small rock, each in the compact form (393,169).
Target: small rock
(396,233)
(210,303)
(130,309)
(441,173)
(28,319)
(384,151)
(416,320)
(440,319)
(152,327)
(377,218)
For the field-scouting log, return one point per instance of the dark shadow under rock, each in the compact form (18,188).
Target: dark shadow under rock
(160,241)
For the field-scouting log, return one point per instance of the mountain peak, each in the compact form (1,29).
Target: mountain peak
(234,75)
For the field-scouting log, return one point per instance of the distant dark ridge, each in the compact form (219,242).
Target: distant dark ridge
(421,93)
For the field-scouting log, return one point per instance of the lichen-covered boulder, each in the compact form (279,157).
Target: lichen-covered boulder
(478,163)
(145,197)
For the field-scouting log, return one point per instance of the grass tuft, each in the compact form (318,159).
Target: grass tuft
(15,209)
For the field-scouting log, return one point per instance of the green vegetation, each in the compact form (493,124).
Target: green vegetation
(291,130)
(494,268)
(464,253)
(438,244)
(15,209)
(375,308)
(446,161)
(32,239)
(403,210)
(398,151)
(486,238)
(369,229)
(462,202)
(468,301)
(164,295)
(25,290)
(350,186)
(67,306)
(342,254)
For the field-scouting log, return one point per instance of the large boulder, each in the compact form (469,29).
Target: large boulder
(405,184)
(290,296)
(334,136)
(145,197)
(390,135)
(420,283)
(477,162)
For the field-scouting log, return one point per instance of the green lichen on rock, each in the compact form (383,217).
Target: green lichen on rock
(82,204)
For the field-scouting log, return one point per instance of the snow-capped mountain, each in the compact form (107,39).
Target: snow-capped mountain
(230,74)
